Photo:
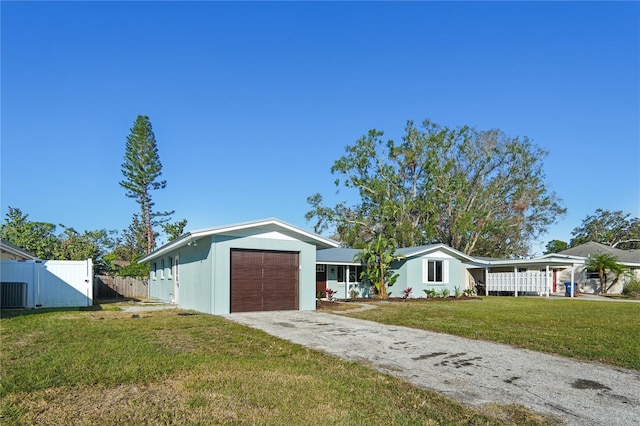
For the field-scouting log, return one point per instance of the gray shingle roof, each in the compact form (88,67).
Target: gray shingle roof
(591,248)
(336,255)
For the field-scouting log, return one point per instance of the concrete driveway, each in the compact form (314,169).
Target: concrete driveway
(473,372)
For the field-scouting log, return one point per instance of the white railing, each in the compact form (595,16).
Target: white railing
(520,282)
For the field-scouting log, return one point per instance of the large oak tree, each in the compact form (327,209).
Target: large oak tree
(480,192)
(612,228)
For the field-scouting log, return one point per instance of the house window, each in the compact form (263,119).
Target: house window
(435,271)
(169,271)
(591,275)
(162,269)
(354,273)
(154,268)
(319,268)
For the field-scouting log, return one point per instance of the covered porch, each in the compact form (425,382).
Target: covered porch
(540,276)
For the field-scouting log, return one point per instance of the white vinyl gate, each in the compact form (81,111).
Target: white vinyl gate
(46,283)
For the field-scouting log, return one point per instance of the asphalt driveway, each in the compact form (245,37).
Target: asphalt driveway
(473,372)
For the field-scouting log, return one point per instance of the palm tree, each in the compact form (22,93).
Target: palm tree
(603,264)
(376,258)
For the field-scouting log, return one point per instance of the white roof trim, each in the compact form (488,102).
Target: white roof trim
(192,236)
(443,247)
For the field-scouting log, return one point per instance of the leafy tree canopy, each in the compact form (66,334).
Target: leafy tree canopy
(40,238)
(555,246)
(480,192)
(174,230)
(612,228)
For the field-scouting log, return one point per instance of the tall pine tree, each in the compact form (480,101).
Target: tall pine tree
(141,170)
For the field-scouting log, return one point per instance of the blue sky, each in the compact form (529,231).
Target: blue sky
(252,102)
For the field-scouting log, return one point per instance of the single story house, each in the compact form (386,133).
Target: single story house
(262,265)
(589,282)
(431,267)
(270,265)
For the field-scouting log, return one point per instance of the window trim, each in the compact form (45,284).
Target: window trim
(426,269)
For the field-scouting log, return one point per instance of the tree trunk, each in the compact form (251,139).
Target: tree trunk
(383,287)
(603,282)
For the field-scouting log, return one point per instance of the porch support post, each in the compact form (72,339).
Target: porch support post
(346,286)
(546,281)
(486,281)
(515,274)
(573,284)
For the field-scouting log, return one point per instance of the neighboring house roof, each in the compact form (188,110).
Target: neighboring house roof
(14,251)
(337,256)
(264,226)
(591,248)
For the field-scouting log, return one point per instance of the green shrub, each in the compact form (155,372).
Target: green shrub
(632,288)
(431,293)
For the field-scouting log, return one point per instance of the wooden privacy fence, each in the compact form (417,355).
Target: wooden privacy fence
(107,287)
(520,282)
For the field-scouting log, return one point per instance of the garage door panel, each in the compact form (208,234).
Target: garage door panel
(246,281)
(264,280)
(280,281)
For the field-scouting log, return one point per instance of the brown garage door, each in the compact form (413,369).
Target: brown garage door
(264,280)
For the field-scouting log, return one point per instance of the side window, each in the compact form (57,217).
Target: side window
(354,273)
(591,275)
(435,271)
(170,270)
(154,269)
(162,269)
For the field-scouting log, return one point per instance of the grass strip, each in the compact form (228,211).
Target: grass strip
(605,332)
(176,367)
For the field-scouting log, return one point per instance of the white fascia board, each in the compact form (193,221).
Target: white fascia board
(183,240)
(536,261)
(194,235)
(443,247)
(325,262)
(270,221)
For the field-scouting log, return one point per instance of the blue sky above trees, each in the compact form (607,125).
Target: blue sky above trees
(252,102)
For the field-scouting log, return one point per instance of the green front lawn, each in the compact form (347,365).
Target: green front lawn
(605,332)
(176,367)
